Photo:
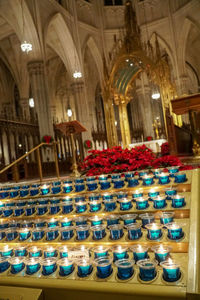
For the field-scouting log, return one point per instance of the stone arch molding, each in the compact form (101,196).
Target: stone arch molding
(59,38)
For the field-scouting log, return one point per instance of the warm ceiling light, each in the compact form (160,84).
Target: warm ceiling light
(26,47)
(155,96)
(77,74)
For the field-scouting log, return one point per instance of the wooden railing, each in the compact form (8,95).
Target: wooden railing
(14,164)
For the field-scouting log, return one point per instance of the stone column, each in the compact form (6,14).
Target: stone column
(25,111)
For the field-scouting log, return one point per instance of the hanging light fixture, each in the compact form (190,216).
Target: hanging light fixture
(31,102)
(77,74)
(155,95)
(25,46)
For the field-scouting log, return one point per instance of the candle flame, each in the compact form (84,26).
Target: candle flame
(170,261)
(154,226)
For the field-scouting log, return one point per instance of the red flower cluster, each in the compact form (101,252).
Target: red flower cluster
(165,150)
(149,138)
(47,139)
(88,144)
(117,160)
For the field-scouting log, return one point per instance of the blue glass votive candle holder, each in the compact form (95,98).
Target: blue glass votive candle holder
(50,252)
(90,178)
(39,223)
(11,234)
(121,195)
(173,170)
(37,234)
(54,209)
(115,176)
(137,194)
(66,222)
(104,266)
(68,180)
(56,189)
(147,269)
(128,175)
(45,189)
(34,191)
(79,187)
(152,194)
(49,266)
(178,201)
(81,221)
(43,201)
(79,198)
(116,231)
(129,218)
(6,251)
(24,193)
(180,177)
(67,207)
(84,267)
(52,222)
(52,233)
(4,194)
(17,264)
(92,185)
(170,192)
(118,183)
(67,233)
(54,201)
(66,266)
(143,173)
(23,224)
(10,204)
(24,234)
(96,220)
(175,231)
(147,219)
(119,252)
(154,231)
(93,196)
(2,234)
(41,209)
(100,251)
(112,219)
(125,204)
(156,172)
(105,184)
(82,232)
(124,268)
(4,264)
(134,231)
(132,182)
(18,211)
(32,265)
(99,232)
(29,210)
(108,196)
(34,251)
(171,270)
(95,205)
(21,203)
(67,188)
(4,224)
(110,205)
(139,252)
(166,217)
(13,193)
(142,203)
(79,180)
(20,251)
(7,211)
(162,252)
(63,251)
(164,178)
(159,202)
(66,199)
(81,207)
(148,180)
(2,204)
(103,177)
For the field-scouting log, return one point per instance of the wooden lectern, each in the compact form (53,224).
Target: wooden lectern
(69,129)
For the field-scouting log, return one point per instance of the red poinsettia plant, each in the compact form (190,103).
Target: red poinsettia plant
(165,150)
(47,139)
(149,138)
(117,160)
(88,144)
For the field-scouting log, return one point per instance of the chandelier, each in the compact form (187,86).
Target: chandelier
(26,47)
(77,74)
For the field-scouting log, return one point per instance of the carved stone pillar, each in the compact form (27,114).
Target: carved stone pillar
(124,125)
(24,105)
(110,123)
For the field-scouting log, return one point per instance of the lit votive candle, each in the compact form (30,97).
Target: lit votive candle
(54,209)
(119,252)
(107,196)
(118,183)
(92,185)
(11,234)
(4,264)
(178,201)
(147,219)
(103,177)
(49,266)
(50,252)
(137,194)
(129,218)
(52,222)
(163,178)
(39,223)
(52,233)
(173,170)
(100,251)
(67,233)
(148,180)
(82,232)
(66,199)
(124,268)
(81,221)
(32,265)
(95,205)
(105,184)
(132,182)
(41,209)
(66,222)
(44,189)
(37,234)
(116,231)
(99,232)
(139,252)
(68,180)
(67,188)
(90,178)
(175,231)
(142,203)
(171,270)
(134,231)
(96,220)
(66,266)
(159,202)
(121,195)
(17,264)
(152,194)
(81,207)
(29,210)
(92,197)
(24,234)
(112,220)
(147,269)
(143,173)
(180,177)
(79,187)
(79,198)
(154,231)
(170,192)
(166,217)
(79,180)
(161,252)
(63,250)
(67,207)
(84,267)
(6,251)
(3,224)
(125,204)
(34,251)
(110,205)
(104,266)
